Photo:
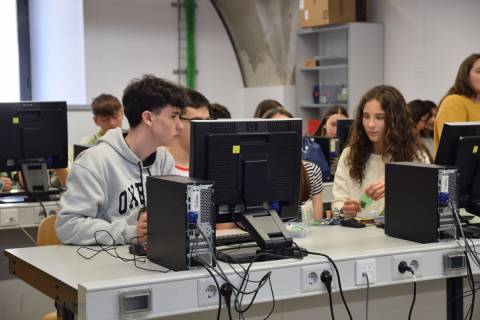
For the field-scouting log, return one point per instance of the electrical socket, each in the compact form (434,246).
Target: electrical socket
(310,277)
(207,291)
(413,260)
(8,217)
(368,266)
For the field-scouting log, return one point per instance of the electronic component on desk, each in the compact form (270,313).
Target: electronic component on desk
(459,146)
(352,223)
(135,303)
(180,209)
(137,249)
(417,201)
(454,262)
(254,163)
(37,141)
(228,238)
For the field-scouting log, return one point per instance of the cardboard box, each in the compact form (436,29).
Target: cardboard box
(314,13)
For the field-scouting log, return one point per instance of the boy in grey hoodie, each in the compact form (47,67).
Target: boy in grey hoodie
(106,185)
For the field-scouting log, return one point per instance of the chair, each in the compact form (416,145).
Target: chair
(46,235)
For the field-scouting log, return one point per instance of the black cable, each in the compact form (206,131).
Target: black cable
(414,296)
(226,292)
(113,247)
(467,250)
(326,278)
(366,298)
(338,278)
(239,292)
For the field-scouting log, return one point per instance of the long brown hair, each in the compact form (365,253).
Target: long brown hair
(337,109)
(266,105)
(400,142)
(462,83)
(304,190)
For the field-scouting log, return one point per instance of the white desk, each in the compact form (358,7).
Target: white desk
(92,287)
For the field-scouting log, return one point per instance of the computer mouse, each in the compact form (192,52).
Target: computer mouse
(137,249)
(352,223)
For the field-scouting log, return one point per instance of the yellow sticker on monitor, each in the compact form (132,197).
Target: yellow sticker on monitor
(15,120)
(236,149)
(475,149)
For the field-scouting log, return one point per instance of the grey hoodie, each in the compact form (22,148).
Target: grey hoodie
(105,191)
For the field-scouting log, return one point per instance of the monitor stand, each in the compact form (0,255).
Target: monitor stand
(35,180)
(273,241)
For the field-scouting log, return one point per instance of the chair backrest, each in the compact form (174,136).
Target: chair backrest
(46,234)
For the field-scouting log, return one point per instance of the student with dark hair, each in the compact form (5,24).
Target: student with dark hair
(106,185)
(428,131)
(421,113)
(382,132)
(197,108)
(328,125)
(218,111)
(107,114)
(462,102)
(311,184)
(266,105)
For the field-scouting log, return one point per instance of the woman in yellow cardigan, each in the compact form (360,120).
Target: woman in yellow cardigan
(462,102)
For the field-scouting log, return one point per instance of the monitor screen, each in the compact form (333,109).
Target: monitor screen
(33,131)
(252,162)
(344,127)
(255,165)
(460,146)
(79,148)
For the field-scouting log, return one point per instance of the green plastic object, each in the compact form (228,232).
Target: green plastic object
(191,65)
(365,201)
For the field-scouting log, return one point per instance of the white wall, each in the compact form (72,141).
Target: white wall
(425,42)
(57,50)
(125,39)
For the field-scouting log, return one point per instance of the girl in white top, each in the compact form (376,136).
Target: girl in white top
(382,132)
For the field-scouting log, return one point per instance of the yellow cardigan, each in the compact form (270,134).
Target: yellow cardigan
(455,108)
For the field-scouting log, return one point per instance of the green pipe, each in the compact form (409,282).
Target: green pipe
(190,19)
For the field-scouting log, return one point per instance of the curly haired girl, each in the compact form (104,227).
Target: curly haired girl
(382,132)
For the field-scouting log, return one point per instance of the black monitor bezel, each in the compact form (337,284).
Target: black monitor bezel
(54,134)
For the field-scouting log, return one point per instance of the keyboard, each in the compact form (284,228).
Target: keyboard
(232,236)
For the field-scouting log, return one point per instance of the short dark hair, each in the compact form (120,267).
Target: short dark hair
(218,111)
(196,100)
(105,105)
(150,94)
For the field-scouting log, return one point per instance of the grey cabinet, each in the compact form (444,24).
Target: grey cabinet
(347,61)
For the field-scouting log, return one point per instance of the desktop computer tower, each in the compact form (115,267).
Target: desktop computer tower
(178,208)
(417,201)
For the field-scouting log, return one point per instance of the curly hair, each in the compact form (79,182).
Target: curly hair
(400,142)
(152,94)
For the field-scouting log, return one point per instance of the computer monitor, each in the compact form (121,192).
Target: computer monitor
(35,138)
(460,146)
(344,127)
(255,165)
(79,148)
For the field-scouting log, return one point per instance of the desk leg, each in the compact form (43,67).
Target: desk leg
(455,298)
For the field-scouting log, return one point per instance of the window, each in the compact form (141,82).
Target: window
(15,51)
